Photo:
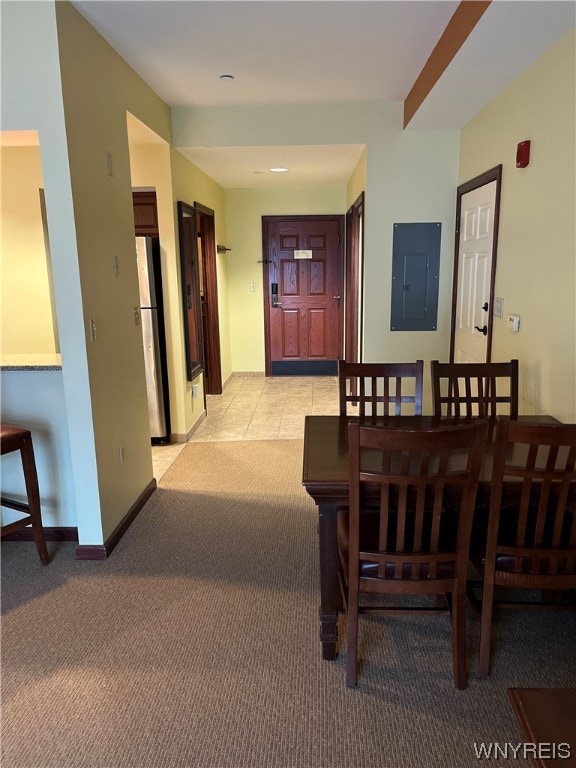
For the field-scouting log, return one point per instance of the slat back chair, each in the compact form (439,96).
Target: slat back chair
(531,541)
(381,389)
(417,545)
(15,438)
(469,390)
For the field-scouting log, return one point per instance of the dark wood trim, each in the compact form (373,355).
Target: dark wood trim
(494,174)
(51,533)
(102,551)
(189,277)
(145,208)
(212,361)
(91,552)
(463,21)
(354,277)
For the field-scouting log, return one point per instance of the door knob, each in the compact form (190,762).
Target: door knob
(485,306)
(483,330)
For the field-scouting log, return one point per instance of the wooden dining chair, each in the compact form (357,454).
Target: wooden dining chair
(412,544)
(469,390)
(531,543)
(381,389)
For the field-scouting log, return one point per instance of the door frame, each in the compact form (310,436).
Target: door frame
(494,174)
(265,275)
(354,282)
(212,361)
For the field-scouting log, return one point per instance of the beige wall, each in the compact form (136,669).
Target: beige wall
(244,211)
(536,268)
(27,325)
(95,114)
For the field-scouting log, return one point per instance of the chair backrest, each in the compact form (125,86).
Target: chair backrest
(418,539)
(532,536)
(470,390)
(381,389)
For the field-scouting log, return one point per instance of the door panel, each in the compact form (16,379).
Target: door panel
(475,270)
(303,319)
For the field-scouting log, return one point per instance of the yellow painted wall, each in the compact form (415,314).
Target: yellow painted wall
(98,89)
(536,268)
(27,325)
(244,211)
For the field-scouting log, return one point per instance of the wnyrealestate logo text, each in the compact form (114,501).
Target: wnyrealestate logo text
(522,751)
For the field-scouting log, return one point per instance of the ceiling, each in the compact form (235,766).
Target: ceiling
(319,51)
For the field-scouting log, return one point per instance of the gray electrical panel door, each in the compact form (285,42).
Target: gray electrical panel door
(415,273)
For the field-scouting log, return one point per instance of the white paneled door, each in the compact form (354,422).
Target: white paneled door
(475,250)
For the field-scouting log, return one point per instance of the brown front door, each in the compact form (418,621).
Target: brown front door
(303,294)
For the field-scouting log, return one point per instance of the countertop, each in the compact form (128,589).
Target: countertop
(30,362)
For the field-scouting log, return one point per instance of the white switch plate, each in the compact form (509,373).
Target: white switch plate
(498,307)
(513,323)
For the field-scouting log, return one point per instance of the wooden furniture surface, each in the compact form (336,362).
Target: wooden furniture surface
(325,477)
(381,389)
(482,390)
(15,438)
(547,720)
(145,213)
(415,546)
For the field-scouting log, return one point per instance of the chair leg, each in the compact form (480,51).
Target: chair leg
(459,640)
(33,493)
(486,626)
(352,637)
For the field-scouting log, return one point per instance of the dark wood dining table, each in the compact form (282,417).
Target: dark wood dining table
(547,720)
(325,478)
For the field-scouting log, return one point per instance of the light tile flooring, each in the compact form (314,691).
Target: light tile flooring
(255,407)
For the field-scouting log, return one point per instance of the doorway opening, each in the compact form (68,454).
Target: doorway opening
(476,242)
(151,294)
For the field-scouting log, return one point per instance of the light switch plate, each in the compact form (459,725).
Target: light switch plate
(498,307)
(513,323)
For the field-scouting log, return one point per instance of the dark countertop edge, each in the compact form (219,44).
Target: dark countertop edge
(30,367)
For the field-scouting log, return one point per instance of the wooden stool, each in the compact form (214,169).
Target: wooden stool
(19,439)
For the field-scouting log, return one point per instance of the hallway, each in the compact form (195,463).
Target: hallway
(255,407)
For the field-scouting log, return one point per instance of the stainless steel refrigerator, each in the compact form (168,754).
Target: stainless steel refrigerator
(151,313)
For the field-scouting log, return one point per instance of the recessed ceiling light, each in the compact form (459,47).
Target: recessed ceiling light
(278,170)
(226,77)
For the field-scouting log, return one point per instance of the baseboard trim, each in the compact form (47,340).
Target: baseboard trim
(51,533)
(102,551)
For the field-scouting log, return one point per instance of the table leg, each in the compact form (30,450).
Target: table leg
(329,600)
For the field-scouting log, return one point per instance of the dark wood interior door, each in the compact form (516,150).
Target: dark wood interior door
(206,249)
(303,282)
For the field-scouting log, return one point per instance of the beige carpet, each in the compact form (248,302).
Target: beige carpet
(195,645)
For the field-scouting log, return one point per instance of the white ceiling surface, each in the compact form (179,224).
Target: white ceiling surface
(319,51)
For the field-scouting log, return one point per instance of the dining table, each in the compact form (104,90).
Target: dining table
(325,478)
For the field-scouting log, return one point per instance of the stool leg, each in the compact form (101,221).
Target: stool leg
(31,480)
